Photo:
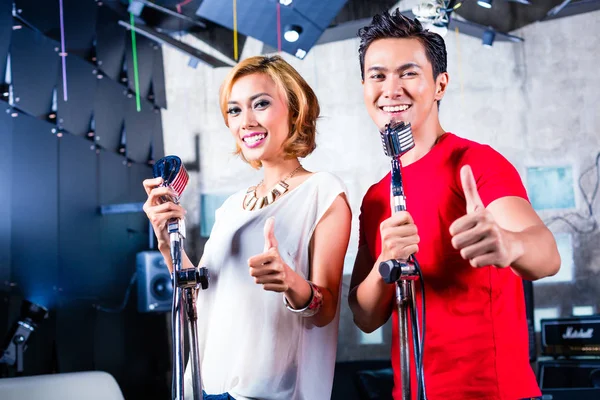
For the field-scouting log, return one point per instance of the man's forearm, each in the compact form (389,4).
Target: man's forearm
(537,256)
(371,301)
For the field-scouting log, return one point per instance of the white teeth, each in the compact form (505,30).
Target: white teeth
(395,108)
(254,139)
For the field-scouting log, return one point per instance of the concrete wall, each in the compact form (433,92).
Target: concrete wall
(536,102)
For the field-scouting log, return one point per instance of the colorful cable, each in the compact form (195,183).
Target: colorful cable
(138,102)
(235,33)
(279,27)
(63,53)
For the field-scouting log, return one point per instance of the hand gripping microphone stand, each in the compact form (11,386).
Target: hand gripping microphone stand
(186,282)
(397,139)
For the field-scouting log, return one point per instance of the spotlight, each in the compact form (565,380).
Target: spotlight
(135,8)
(300,54)
(485,3)
(285,2)
(193,62)
(433,15)
(292,33)
(488,38)
(15,345)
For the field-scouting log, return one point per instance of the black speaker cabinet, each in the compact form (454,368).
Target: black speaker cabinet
(570,379)
(155,289)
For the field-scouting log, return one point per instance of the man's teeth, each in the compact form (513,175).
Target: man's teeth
(395,108)
(254,139)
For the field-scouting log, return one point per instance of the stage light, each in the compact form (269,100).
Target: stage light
(488,38)
(433,15)
(193,62)
(135,8)
(300,54)
(285,2)
(292,33)
(15,344)
(485,3)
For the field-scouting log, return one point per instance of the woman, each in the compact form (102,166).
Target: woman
(268,324)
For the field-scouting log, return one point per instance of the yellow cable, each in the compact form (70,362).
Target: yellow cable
(235,36)
(460,77)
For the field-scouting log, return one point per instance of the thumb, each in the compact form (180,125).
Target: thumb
(270,240)
(474,202)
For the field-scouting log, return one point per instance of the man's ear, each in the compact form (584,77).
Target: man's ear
(441,84)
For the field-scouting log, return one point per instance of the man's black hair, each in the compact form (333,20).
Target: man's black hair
(396,25)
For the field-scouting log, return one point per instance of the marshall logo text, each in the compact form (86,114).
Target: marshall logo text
(573,333)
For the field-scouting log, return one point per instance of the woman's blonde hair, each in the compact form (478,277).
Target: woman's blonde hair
(302,102)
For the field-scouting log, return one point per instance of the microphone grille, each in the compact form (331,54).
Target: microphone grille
(397,138)
(173,172)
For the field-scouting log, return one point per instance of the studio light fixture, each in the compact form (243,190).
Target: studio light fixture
(488,37)
(433,15)
(135,8)
(15,344)
(484,3)
(292,33)
(163,38)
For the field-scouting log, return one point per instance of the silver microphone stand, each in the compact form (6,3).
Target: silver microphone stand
(397,139)
(186,283)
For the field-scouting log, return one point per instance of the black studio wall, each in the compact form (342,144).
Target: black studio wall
(63,154)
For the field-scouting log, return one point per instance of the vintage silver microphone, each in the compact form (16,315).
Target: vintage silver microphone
(397,139)
(185,283)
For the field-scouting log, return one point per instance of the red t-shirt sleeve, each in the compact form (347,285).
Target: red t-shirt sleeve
(495,176)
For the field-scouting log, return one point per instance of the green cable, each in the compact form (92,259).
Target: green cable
(138,102)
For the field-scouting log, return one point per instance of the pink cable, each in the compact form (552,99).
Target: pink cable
(278,27)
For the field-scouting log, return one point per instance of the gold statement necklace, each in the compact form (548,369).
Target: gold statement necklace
(251,200)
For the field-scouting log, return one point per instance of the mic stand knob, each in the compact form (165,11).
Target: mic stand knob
(192,277)
(398,270)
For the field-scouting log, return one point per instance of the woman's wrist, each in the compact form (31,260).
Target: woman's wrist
(312,307)
(299,292)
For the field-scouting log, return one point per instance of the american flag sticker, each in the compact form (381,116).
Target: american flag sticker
(180,181)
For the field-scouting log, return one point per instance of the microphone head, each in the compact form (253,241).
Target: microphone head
(173,172)
(397,138)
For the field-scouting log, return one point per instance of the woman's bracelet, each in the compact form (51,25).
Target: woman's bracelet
(314,305)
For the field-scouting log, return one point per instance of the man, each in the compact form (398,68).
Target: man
(477,235)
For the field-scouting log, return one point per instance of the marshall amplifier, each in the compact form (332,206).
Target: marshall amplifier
(571,336)
(570,379)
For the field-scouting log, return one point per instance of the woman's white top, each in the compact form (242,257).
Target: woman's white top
(250,345)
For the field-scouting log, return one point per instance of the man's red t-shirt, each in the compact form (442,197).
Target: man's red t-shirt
(476,344)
